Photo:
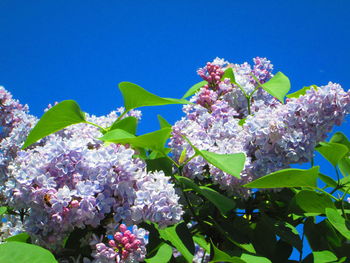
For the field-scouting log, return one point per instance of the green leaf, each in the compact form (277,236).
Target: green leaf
(128,124)
(287,178)
(338,222)
(289,234)
(232,163)
(200,240)
(228,74)
(22,237)
(328,180)
(333,152)
(58,117)
(180,237)
(223,203)
(344,166)
(3,210)
(153,140)
(278,86)
(163,123)
(324,256)
(135,97)
(221,256)
(159,164)
(254,259)
(301,92)
(15,252)
(340,137)
(194,88)
(164,254)
(313,202)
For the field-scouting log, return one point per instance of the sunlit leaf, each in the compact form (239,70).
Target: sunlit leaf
(338,222)
(22,237)
(128,124)
(278,86)
(287,178)
(333,152)
(313,202)
(228,74)
(163,123)
(300,92)
(58,117)
(163,254)
(135,97)
(194,88)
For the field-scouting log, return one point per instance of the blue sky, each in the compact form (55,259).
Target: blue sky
(81,50)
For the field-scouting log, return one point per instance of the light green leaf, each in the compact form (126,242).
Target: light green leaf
(22,237)
(328,180)
(232,163)
(344,166)
(313,202)
(254,259)
(340,137)
(3,210)
(163,123)
(180,237)
(333,152)
(223,203)
(324,256)
(228,74)
(301,92)
(194,88)
(58,117)
(135,97)
(128,124)
(338,222)
(200,240)
(153,140)
(221,256)
(278,86)
(287,178)
(163,254)
(15,252)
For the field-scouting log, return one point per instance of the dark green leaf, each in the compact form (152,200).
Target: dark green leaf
(194,88)
(159,164)
(338,222)
(333,152)
(324,256)
(287,178)
(188,183)
(313,202)
(300,92)
(22,237)
(164,254)
(223,203)
(3,210)
(180,237)
(15,252)
(153,140)
(278,86)
(163,123)
(228,74)
(135,97)
(58,117)
(128,124)
(289,234)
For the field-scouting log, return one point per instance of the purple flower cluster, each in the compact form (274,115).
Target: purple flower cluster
(124,246)
(72,180)
(273,136)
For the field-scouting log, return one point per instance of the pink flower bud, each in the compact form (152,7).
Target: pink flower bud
(74,203)
(112,243)
(118,236)
(125,254)
(132,237)
(128,246)
(125,240)
(136,243)
(122,228)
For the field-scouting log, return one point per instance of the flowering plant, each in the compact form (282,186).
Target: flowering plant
(216,186)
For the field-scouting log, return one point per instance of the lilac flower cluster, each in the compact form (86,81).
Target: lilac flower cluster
(124,246)
(71,180)
(273,136)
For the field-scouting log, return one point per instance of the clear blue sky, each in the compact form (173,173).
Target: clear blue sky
(81,50)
